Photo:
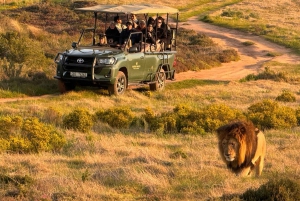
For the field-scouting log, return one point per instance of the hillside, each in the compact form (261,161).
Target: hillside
(86,145)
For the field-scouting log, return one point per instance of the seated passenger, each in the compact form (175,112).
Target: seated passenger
(134,21)
(151,20)
(149,35)
(102,40)
(161,29)
(141,26)
(126,33)
(112,34)
(118,24)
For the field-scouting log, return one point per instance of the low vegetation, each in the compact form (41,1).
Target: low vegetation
(86,145)
(253,18)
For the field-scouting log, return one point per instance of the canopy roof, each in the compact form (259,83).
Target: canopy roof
(130,8)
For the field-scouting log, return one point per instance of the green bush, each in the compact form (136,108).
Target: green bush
(20,51)
(286,96)
(79,119)
(216,115)
(230,13)
(161,124)
(29,135)
(269,114)
(268,74)
(118,117)
(298,115)
(186,120)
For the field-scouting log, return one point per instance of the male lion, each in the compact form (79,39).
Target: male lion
(242,147)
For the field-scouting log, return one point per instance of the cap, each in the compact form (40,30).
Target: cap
(128,23)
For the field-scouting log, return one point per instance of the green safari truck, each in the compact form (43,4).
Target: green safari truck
(116,66)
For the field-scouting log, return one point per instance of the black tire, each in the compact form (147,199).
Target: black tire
(120,85)
(65,87)
(160,81)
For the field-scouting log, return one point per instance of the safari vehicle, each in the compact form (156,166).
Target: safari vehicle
(115,67)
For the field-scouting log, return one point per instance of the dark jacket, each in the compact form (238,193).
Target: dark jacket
(125,35)
(162,31)
(112,34)
(149,37)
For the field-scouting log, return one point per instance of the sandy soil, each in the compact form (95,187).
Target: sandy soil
(252,57)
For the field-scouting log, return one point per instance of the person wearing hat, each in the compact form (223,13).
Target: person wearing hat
(102,40)
(126,33)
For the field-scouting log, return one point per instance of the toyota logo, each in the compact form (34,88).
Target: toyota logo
(80,61)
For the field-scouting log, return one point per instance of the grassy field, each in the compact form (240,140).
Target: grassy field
(109,163)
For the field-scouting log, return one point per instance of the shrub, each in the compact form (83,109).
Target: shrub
(298,115)
(79,119)
(20,50)
(29,135)
(248,43)
(268,74)
(216,115)
(286,96)
(229,55)
(269,114)
(283,189)
(118,117)
(202,40)
(230,13)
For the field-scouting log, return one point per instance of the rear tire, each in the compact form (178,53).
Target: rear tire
(160,81)
(65,87)
(120,85)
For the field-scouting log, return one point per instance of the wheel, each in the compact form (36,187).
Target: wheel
(160,81)
(65,87)
(119,87)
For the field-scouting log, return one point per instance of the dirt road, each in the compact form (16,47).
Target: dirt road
(252,57)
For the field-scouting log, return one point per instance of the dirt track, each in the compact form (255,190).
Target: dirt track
(252,57)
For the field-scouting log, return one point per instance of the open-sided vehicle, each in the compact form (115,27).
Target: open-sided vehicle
(115,67)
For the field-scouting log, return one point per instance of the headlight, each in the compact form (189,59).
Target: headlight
(107,61)
(58,57)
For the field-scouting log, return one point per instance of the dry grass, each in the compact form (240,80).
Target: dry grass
(120,167)
(110,164)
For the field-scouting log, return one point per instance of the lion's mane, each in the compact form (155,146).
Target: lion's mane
(245,133)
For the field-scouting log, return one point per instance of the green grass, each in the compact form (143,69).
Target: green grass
(202,7)
(191,84)
(286,36)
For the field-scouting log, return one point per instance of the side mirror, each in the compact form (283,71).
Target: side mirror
(74,44)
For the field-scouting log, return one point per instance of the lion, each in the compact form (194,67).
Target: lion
(242,147)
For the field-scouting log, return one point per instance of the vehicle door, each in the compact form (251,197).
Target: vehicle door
(135,59)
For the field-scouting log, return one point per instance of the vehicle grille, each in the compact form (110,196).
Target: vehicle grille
(72,64)
(74,60)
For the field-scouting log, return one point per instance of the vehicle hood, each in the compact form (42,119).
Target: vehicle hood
(105,51)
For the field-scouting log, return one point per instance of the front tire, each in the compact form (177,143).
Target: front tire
(65,87)
(120,85)
(160,81)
